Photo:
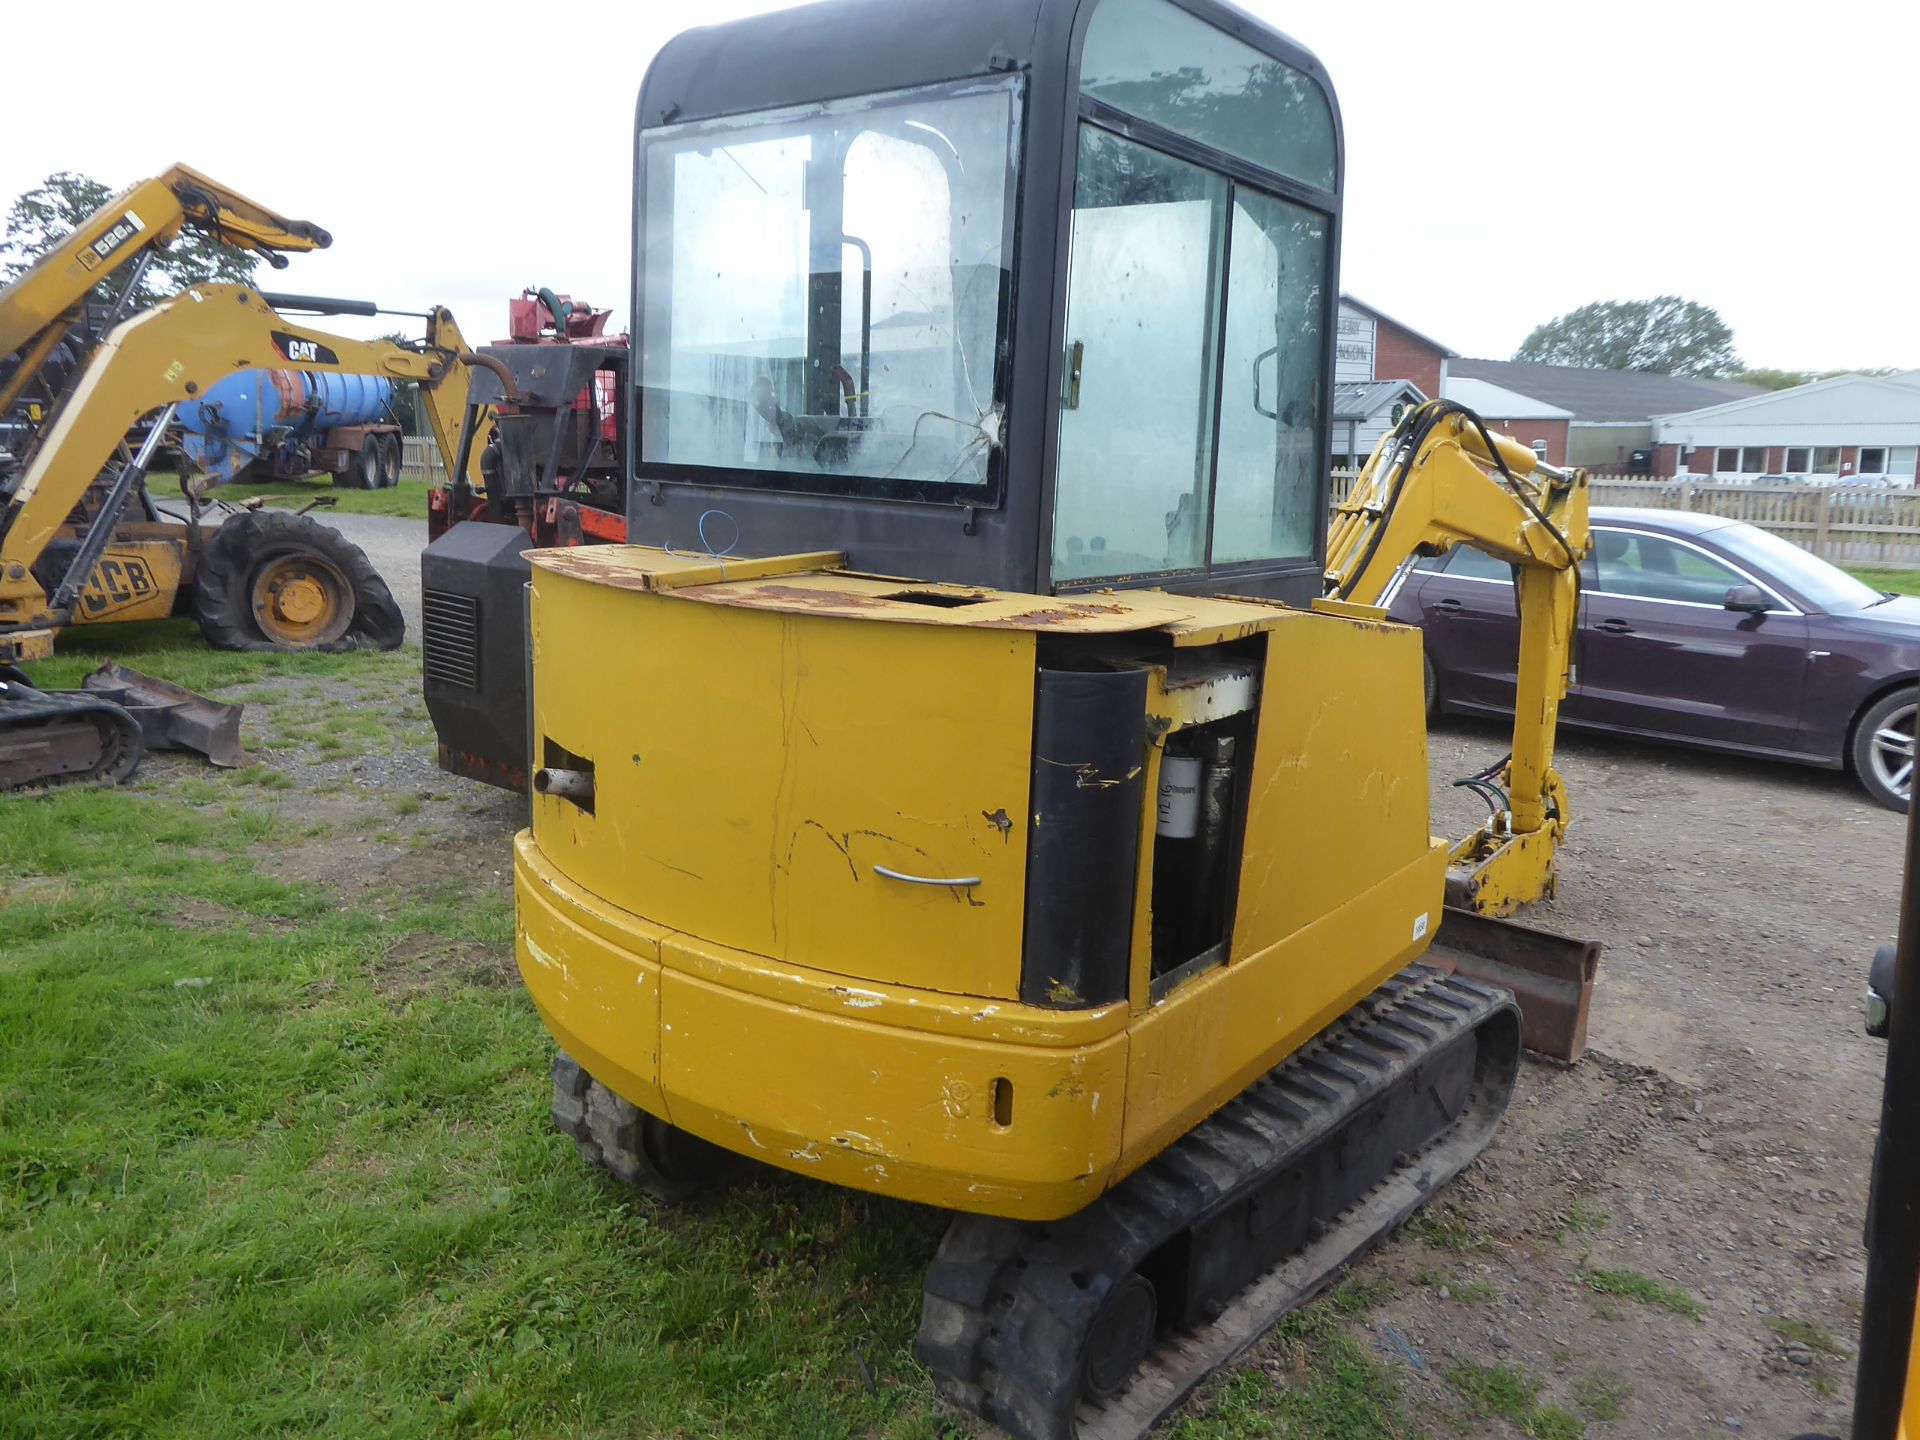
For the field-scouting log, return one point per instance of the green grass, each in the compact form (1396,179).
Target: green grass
(1809,1333)
(296,1196)
(1513,1392)
(1445,1227)
(174,650)
(1603,1394)
(1335,1389)
(408,498)
(1901,582)
(1632,1285)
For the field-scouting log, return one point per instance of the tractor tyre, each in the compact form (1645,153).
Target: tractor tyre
(363,468)
(270,580)
(389,461)
(646,1152)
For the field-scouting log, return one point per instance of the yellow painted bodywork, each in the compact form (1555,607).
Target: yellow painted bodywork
(1449,489)
(167,355)
(712,941)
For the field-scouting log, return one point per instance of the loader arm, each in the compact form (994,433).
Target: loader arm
(39,307)
(1441,479)
(166,356)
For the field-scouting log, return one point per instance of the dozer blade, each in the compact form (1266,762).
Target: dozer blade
(1550,975)
(171,716)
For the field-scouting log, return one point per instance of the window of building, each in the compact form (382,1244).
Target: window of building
(1902,462)
(1540,449)
(1799,460)
(1726,462)
(1753,460)
(1873,460)
(1826,460)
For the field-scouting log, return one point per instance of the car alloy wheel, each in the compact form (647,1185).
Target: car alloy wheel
(1890,752)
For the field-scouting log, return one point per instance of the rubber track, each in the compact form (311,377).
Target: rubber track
(25,711)
(1007,1302)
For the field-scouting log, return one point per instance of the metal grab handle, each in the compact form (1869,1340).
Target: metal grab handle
(960,882)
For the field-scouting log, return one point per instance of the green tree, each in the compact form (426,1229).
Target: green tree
(1666,334)
(1768,379)
(45,215)
(406,393)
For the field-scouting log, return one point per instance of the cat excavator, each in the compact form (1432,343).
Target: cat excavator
(985,780)
(43,310)
(83,543)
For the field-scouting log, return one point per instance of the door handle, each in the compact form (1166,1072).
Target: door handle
(1615,627)
(955,882)
(1448,607)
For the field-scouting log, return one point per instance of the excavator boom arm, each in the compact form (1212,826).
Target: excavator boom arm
(1441,478)
(167,356)
(37,307)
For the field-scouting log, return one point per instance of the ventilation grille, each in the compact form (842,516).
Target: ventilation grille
(451,626)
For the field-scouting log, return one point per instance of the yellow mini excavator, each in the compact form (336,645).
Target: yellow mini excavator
(81,541)
(985,782)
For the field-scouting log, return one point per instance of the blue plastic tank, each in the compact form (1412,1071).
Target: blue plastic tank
(252,413)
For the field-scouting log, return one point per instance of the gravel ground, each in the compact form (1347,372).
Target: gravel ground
(393,545)
(1719,1136)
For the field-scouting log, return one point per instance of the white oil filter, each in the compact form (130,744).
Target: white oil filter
(1179,797)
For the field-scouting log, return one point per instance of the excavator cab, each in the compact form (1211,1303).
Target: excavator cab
(1029,295)
(912,808)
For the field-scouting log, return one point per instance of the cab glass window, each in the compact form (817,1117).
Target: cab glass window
(1155,61)
(824,290)
(1270,381)
(1136,423)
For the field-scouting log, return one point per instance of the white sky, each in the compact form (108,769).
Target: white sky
(1507,160)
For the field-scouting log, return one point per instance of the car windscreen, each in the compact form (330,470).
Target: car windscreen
(1822,585)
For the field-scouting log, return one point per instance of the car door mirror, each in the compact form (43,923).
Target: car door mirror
(1750,598)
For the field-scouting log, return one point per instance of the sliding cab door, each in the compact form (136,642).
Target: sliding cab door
(1136,426)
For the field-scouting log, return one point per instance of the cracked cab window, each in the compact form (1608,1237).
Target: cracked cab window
(824,290)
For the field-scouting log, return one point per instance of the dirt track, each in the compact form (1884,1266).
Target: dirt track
(1723,1123)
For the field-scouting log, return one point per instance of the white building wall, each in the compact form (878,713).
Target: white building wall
(1353,347)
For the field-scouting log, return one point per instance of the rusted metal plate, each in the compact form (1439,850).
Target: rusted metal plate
(172,716)
(816,585)
(1551,975)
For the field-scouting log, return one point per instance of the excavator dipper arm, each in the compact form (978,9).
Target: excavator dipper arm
(1441,478)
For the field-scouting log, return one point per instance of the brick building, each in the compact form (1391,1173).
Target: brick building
(1532,422)
(1374,347)
(1863,428)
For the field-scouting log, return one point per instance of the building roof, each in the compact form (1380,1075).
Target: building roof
(1400,325)
(1496,402)
(1362,400)
(1622,397)
(1842,410)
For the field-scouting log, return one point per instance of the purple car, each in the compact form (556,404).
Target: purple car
(1700,631)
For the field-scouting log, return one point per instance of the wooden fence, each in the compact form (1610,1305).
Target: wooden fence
(1847,524)
(420,459)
